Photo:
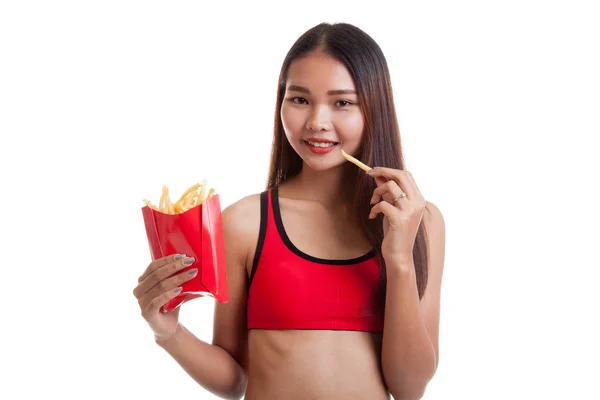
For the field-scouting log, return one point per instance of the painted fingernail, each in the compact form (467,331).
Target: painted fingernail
(177,290)
(180,256)
(192,272)
(188,261)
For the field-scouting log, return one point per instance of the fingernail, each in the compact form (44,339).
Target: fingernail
(189,261)
(177,290)
(192,271)
(180,256)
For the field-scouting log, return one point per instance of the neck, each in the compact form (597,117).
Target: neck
(326,187)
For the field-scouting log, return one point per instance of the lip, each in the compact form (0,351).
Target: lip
(320,140)
(321,150)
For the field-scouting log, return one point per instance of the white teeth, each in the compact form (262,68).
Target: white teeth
(320,144)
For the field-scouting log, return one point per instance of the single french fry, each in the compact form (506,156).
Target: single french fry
(356,162)
(166,199)
(202,192)
(161,202)
(149,204)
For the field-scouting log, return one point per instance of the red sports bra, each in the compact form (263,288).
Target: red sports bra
(289,289)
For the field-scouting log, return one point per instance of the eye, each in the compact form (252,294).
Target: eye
(298,100)
(343,103)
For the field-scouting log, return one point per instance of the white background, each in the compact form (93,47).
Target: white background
(101,103)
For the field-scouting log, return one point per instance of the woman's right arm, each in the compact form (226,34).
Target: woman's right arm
(221,367)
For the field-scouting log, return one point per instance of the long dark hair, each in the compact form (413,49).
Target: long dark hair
(381,145)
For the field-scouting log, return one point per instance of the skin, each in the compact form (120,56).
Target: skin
(317,364)
(320,363)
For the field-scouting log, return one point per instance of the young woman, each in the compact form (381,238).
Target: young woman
(334,273)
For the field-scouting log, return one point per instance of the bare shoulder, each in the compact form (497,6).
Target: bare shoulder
(243,216)
(244,208)
(436,247)
(436,235)
(241,223)
(434,216)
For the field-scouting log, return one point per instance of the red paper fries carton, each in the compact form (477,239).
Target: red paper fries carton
(192,226)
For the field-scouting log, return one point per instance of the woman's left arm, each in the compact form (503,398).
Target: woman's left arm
(409,355)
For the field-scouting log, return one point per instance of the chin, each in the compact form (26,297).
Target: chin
(321,165)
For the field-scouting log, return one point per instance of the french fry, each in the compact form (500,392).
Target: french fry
(147,202)
(194,196)
(202,191)
(189,202)
(356,162)
(185,195)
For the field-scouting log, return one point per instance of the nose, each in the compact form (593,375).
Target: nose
(319,119)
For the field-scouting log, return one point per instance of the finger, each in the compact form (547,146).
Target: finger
(167,285)
(161,274)
(397,175)
(160,262)
(412,180)
(388,191)
(156,303)
(385,208)
(380,182)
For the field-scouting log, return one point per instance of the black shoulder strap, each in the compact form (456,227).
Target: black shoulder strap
(264,215)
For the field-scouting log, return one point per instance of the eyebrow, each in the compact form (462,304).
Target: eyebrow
(330,92)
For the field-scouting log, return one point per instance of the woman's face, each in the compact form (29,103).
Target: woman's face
(320,111)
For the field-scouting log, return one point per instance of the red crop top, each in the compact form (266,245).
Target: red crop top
(289,289)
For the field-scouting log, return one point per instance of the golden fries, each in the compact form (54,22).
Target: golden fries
(194,196)
(356,162)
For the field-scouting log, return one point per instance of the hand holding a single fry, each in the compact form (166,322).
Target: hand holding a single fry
(159,284)
(398,198)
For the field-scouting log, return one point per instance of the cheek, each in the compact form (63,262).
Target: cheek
(292,121)
(350,128)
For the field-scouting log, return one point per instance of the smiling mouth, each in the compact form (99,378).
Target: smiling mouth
(322,145)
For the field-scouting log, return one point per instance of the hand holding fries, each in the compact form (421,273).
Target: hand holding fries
(192,226)
(158,285)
